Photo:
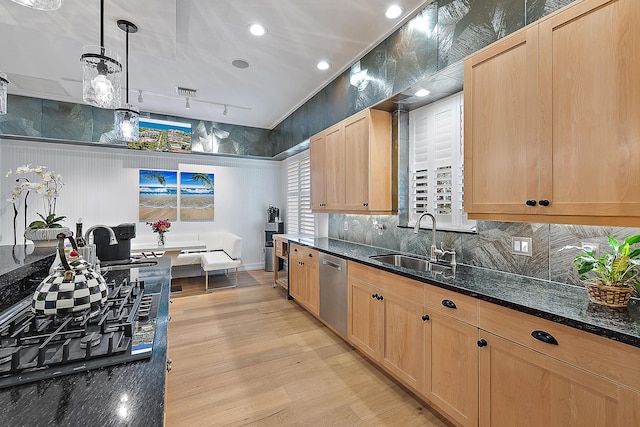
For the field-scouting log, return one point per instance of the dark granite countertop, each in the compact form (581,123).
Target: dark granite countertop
(130,394)
(558,302)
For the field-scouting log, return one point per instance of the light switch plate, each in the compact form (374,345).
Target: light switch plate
(521,246)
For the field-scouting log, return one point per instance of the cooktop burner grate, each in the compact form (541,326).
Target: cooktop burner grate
(37,347)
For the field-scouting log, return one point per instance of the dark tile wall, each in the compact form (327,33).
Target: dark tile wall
(490,247)
(79,122)
(440,35)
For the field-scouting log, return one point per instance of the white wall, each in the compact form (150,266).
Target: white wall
(101,187)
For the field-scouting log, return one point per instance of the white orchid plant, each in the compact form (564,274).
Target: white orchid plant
(48,187)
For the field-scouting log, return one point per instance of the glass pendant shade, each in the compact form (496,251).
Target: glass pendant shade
(101,72)
(3,93)
(40,4)
(126,123)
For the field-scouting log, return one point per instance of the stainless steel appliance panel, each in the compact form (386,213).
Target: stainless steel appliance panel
(268,258)
(333,291)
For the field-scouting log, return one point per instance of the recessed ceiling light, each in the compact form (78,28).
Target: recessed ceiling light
(323,65)
(422,92)
(393,12)
(240,63)
(257,30)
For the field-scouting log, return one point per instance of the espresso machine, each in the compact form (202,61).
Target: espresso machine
(271,227)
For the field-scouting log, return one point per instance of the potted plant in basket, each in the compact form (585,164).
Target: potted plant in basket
(42,232)
(610,278)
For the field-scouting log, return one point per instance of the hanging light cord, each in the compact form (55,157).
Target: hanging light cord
(127,64)
(102,27)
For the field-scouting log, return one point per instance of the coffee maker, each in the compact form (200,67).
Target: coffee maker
(271,227)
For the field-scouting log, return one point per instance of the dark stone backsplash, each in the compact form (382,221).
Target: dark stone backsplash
(490,247)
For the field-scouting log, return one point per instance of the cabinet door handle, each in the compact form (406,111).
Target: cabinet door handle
(544,337)
(365,204)
(482,343)
(425,317)
(374,296)
(380,298)
(543,202)
(295,249)
(310,255)
(448,303)
(531,202)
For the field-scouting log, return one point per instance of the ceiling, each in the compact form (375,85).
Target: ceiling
(191,44)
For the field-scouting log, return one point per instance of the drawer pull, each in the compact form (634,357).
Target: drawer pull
(482,343)
(543,202)
(425,317)
(544,337)
(531,202)
(448,303)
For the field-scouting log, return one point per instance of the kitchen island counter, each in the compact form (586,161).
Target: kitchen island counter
(129,394)
(557,302)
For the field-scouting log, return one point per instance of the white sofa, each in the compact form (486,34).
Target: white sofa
(223,251)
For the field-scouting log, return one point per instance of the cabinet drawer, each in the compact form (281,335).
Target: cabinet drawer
(297,252)
(458,306)
(310,256)
(613,360)
(408,289)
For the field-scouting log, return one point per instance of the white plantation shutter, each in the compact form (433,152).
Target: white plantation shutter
(300,219)
(307,219)
(436,170)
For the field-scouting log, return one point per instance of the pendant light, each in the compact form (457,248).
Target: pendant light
(126,117)
(3,93)
(40,4)
(101,70)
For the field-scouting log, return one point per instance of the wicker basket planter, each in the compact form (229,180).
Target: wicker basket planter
(610,296)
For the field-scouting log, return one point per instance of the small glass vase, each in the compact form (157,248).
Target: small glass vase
(160,239)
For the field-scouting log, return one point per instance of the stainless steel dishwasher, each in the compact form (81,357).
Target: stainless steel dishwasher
(333,291)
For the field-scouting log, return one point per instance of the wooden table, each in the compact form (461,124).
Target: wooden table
(170,249)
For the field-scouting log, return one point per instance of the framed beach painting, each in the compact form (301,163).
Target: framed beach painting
(158,195)
(196,196)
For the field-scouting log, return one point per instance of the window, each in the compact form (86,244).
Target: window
(436,164)
(300,219)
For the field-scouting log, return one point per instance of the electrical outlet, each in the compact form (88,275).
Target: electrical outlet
(521,246)
(591,247)
(346,226)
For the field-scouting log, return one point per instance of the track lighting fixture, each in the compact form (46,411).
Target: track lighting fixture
(187,105)
(140,100)
(225,111)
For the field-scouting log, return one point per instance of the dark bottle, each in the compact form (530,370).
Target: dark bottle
(79,238)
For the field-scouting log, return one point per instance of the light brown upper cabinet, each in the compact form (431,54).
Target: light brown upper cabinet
(352,167)
(551,120)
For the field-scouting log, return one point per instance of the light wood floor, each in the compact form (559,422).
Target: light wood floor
(250,357)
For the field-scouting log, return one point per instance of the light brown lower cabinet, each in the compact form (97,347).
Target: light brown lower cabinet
(387,325)
(451,367)
(534,372)
(304,277)
(481,364)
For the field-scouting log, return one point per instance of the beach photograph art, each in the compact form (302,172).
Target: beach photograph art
(163,135)
(158,195)
(196,196)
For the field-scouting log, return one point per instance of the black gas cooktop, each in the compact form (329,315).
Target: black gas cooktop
(33,347)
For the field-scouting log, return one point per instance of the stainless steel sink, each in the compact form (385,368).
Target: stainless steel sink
(413,263)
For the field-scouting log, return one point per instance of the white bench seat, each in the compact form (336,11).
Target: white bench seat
(218,260)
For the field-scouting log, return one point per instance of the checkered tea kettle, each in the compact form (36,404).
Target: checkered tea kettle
(73,286)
